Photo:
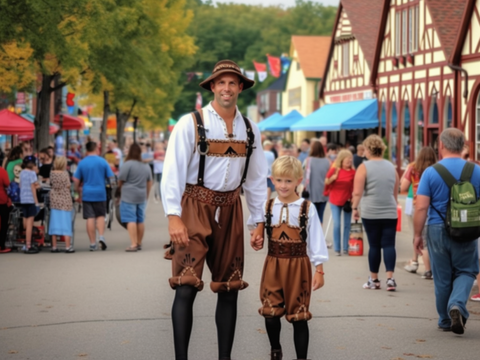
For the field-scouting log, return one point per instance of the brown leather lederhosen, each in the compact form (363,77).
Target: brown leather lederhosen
(214,221)
(287,273)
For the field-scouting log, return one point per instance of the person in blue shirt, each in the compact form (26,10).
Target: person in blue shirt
(305,150)
(454,264)
(93,172)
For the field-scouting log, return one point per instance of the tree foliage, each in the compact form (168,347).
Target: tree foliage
(245,33)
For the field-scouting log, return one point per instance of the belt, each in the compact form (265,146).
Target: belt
(287,249)
(214,198)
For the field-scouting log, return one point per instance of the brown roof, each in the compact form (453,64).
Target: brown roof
(312,54)
(447,18)
(365,17)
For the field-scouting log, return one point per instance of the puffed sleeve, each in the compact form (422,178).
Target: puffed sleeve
(316,246)
(179,152)
(255,186)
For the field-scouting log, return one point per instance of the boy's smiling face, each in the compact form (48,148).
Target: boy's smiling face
(285,187)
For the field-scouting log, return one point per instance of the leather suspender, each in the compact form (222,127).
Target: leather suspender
(303,220)
(203,147)
(268,215)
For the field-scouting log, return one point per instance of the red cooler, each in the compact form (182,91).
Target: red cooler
(355,243)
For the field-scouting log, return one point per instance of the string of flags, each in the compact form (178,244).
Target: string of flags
(275,66)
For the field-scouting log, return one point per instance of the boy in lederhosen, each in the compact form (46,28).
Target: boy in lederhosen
(295,238)
(211,154)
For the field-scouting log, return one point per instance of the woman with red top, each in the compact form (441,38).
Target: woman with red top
(340,181)
(426,157)
(4,209)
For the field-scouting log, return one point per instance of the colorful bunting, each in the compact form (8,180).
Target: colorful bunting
(260,66)
(275,65)
(262,75)
(286,61)
(250,74)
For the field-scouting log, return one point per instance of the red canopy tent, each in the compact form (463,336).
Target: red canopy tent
(70,122)
(53,129)
(13,124)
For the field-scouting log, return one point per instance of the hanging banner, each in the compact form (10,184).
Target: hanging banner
(171,124)
(198,103)
(250,74)
(285,61)
(260,66)
(262,75)
(275,65)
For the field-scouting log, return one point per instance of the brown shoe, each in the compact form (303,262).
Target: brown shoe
(276,355)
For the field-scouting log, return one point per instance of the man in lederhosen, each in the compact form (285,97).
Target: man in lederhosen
(211,155)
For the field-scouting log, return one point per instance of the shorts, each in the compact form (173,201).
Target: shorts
(30,210)
(94,209)
(132,213)
(270,184)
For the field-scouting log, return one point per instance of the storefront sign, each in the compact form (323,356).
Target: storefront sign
(363,95)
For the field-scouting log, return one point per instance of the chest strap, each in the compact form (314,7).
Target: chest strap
(303,218)
(203,146)
(268,216)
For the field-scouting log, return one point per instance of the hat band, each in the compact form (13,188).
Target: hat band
(223,66)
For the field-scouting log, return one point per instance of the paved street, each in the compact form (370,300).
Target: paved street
(116,305)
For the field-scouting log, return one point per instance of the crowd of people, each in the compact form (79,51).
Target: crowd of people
(56,178)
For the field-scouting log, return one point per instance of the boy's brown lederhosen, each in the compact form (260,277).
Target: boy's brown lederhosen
(214,221)
(287,274)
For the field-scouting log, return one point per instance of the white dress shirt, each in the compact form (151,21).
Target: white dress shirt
(316,247)
(221,173)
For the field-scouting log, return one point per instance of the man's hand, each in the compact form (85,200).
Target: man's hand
(256,241)
(178,231)
(318,281)
(418,244)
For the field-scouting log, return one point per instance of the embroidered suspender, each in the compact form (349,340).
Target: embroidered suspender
(203,146)
(268,215)
(303,220)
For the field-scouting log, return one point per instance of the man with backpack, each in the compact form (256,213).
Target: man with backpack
(450,192)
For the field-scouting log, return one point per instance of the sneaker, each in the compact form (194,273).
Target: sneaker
(55,250)
(412,266)
(31,250)
(457,321)
(93,247)
(475,297)
(102,242)
(345,252)
(6,250)
(337,253)
(70,250)
(391,284)
(444,329)
(427,275)
(372,284)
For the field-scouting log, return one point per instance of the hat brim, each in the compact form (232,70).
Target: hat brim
(247,83)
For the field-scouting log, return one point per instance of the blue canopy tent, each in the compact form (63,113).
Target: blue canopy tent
(284,123)
(272,119)
(351,115)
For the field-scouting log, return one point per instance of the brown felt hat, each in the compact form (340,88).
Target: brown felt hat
(227,66)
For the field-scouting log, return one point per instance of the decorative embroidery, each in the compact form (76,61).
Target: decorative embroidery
(188,263)
(227,148)
(237,265)
(302,300)
(214,198)
(267,303)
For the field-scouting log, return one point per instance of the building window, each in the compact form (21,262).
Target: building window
(298,66)
(406,30)
(433,120)
(448,113)
(406,143)
(295,97)
(419,128)
(393,134)
(477,138)
(345,59)
(279,101)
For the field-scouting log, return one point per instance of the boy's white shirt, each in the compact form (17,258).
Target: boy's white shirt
(316,246)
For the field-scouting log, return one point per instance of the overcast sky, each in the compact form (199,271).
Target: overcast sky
(285,3)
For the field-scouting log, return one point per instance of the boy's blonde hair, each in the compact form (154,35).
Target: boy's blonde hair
(60,163)
(287,166)
(342,155)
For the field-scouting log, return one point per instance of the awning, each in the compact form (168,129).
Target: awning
(269,120)
(52,129)
(13,124)
(285,122)
(341,116)
(70,122)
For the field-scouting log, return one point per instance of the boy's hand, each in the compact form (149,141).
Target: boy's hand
(318,281)
(256,241)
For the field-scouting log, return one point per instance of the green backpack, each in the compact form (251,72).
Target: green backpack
(463,210)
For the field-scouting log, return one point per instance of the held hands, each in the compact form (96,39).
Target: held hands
(178,231)
(256,240)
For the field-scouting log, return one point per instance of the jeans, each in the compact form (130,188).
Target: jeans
(320,206)
(381,235)
(454,267)
(336,215)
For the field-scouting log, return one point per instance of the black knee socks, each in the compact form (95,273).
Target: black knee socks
(273,326)
(226,319)
(300,338)
(182,319)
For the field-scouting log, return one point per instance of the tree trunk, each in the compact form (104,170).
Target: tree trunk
(42,120)
(106,113)
(121,121)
